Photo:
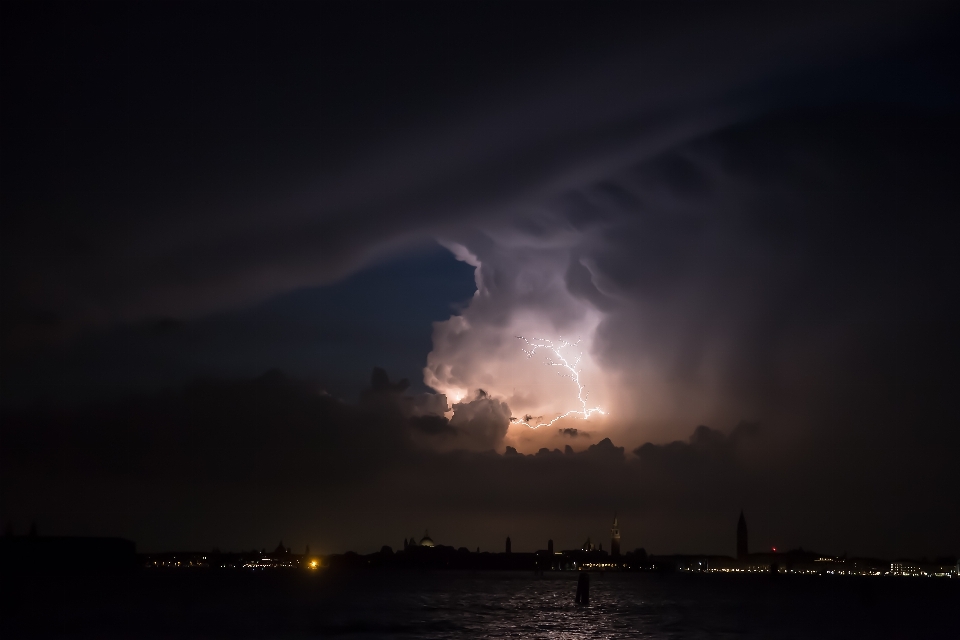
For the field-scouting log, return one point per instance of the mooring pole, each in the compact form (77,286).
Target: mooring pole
(583,588)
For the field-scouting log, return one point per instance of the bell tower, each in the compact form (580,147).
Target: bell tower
(742,549)
(615,537)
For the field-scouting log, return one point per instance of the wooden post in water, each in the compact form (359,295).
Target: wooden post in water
(583,588)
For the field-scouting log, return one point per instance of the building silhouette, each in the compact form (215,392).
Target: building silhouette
(742,549)
(615,538)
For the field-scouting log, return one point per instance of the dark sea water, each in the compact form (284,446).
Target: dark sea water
(407,604)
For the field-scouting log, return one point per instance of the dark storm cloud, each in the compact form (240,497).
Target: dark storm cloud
(233,463)
(710,468)
(756,200)
(841,234)
(218,449)
(483,420)
(217,172)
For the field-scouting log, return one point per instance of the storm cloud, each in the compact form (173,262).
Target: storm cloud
(486,146)
(224,463)
(740,214)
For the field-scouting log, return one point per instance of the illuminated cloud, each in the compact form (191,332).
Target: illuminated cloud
(743,211)
(521,292)
(568,367)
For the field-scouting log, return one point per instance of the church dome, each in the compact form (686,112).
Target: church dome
(426,540)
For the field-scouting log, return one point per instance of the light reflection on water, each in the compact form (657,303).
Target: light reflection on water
(375,604)
(450,605)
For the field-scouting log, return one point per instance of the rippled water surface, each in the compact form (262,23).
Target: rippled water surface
(372,604)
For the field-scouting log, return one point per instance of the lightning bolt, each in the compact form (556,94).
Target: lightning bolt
(571,371)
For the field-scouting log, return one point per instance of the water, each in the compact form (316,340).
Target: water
(407,604)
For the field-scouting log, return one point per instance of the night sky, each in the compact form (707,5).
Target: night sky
(219,218)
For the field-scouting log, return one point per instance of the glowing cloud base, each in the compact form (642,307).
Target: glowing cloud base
(569,371)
